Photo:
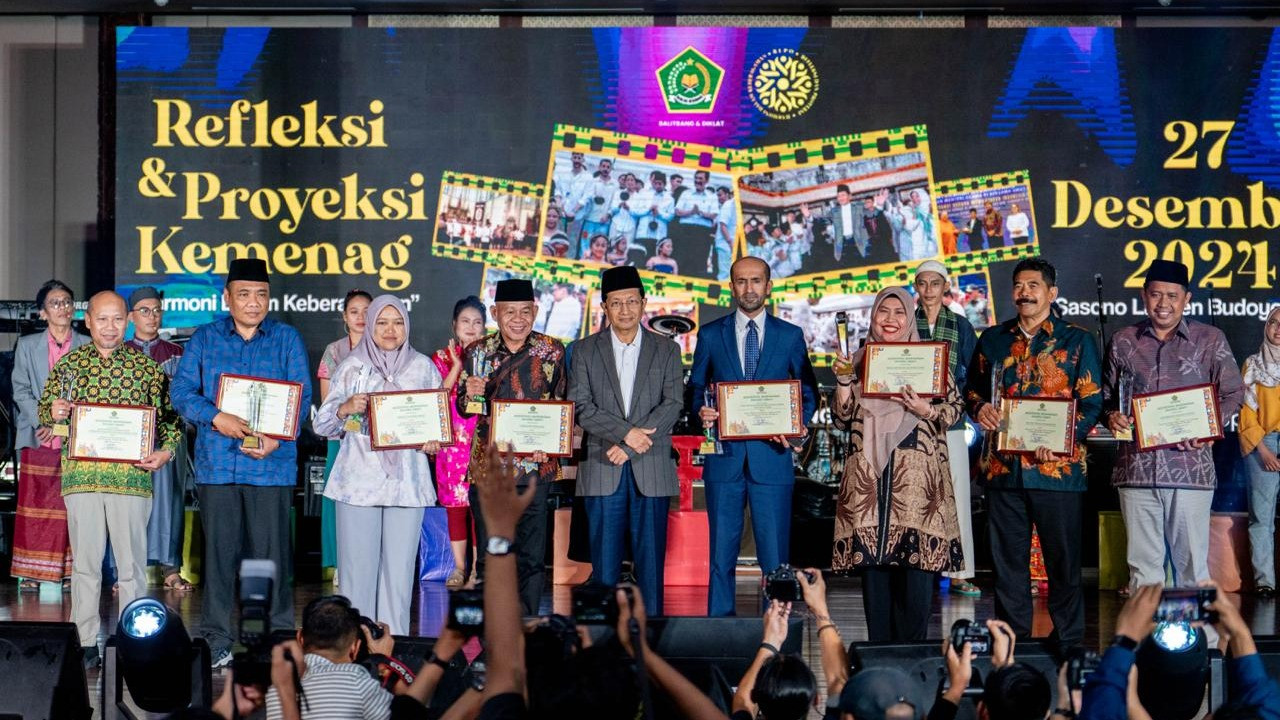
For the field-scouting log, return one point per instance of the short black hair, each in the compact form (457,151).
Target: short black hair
(470,301)
(1016,692)
(1040,265)
(352,295)
(330,623)
(49,286)
(785,688)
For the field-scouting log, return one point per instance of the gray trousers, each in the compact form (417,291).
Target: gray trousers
(377,550)
(1167,524)
(1263,486)
(91,517)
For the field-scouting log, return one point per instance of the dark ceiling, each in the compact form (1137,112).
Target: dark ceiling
(643,7)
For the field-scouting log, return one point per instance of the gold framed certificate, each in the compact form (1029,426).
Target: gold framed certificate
(408,419)
(111,433)
(269,406)
(1164,419)
(888,367)
(1035,422)
(759,410)
(527,426)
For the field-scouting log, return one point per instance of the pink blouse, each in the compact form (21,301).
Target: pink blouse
(452,461)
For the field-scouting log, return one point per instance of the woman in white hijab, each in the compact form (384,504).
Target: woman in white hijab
(1260,444)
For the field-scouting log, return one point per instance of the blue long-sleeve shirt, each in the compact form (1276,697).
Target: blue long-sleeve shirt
(275,351)
(1105,696)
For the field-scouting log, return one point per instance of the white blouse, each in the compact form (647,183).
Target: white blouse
(358,477)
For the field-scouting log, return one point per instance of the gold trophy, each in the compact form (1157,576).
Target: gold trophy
(1125,391)
(67,380)
(709,446)
(476,404)
(842,331)
(257,395)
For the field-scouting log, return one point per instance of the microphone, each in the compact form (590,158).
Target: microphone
(1102,315)
(1097,280)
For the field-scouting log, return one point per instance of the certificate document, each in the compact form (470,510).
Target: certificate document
(269,406)
(1164,419)
(111,433)
(408,419)
(888,367)
(527,426)
(762,409)
(1034,422)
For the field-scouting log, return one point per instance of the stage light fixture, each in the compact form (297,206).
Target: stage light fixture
(1173,671)
(152,655)
(1175,637)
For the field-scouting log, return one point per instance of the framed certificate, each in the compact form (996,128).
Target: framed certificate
(888,367)
(1164,419)
(111,433)
(527,426)
(269,406)
(1036,422)
(758,410)
(408,419)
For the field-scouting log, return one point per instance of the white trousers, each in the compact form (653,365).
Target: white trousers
(91,518)
(1167,524)
(377,551)
(959,456)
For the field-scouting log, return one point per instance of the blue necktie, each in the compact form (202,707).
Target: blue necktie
(751,351)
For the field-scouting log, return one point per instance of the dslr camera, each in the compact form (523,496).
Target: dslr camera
(596,604)
(257,587)
(1079,667)
(783,585)
(974,634)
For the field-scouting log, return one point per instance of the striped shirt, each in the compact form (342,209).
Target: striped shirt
(335,691)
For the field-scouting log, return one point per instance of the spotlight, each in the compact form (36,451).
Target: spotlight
(1175,637)
(1173,671)
(152,655)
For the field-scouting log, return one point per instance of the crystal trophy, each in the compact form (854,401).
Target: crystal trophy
(355,421)
(256,395)
(476,404)
(709,446)
(1125,392)
(997,396)
(67,379)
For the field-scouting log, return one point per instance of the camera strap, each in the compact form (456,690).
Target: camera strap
(388,671)
(642,675)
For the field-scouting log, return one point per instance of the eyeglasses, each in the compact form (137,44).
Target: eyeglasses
(630,304)
(148,311)
(59,304)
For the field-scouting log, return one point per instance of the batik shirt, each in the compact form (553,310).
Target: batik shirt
(536,371)
(125,377)
(1060,361)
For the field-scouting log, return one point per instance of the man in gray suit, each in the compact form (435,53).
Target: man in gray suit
(626,384)
(846,222)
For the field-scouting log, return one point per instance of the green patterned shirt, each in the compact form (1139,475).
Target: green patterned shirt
(125,377)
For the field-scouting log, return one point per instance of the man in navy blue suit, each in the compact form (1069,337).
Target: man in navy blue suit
(759,472)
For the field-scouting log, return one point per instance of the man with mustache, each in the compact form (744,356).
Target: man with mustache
(1165,495)
(759,472)
(1036,354)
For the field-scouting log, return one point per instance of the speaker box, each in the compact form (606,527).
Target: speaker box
(43,674)
(923,662)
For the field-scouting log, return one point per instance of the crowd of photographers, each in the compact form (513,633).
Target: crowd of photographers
(1158,665)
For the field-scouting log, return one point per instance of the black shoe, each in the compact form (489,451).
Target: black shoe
(1266,591)
(91,657)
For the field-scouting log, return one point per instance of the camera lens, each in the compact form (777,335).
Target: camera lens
(599,200)
(625,196)
(653,224)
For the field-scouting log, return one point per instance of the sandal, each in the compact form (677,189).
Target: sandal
(175,582)
(456,579)
(28,586)
(66,585)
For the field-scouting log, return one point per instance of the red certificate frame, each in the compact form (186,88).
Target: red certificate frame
(294,395)
(1210,392)
(725,389)
(496,406)
(1007,405)
(446,420)
(941,363)
(147,440)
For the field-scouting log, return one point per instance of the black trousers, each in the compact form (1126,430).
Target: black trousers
(1057,517)
(243,521)
(691,245)
(897,601)
(530,545)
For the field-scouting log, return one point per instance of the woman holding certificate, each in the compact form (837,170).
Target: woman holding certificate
(1260,443)
(896,513)
(379,493)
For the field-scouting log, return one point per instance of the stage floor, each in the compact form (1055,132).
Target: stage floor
(844,599)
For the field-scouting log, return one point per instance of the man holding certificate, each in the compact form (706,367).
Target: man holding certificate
(515,382)
(381,479)
(122,430)
(758,468)
(1180,382)
(1034,469)
(626,385)
(244,383)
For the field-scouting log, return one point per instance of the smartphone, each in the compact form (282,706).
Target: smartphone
(1187,605)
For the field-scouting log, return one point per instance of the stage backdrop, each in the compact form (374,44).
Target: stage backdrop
(431,163)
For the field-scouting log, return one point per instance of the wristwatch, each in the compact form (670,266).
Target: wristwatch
(498,546)
(1125,642)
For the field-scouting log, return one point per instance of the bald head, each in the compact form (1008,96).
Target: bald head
(751,284)
(107,318)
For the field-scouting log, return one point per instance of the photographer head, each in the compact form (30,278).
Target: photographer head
(1013,691)
(332,629)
